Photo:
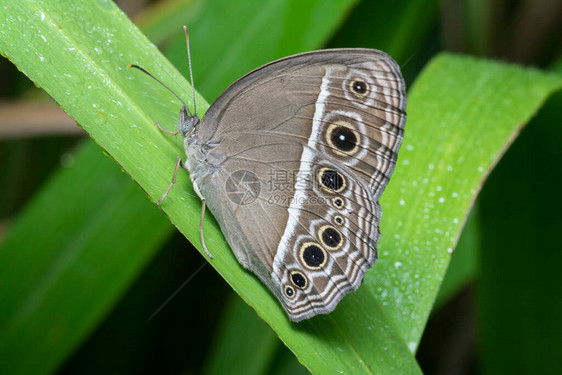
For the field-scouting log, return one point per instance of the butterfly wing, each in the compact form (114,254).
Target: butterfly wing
(292,159)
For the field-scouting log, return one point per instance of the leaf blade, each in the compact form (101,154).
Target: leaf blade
(463,114)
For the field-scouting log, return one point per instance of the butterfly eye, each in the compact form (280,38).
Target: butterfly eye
(298,279)
(330,237)
(312,256)
(359,87)
(331,180)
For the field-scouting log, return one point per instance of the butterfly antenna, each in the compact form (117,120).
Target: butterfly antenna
(160,82)
(190,71)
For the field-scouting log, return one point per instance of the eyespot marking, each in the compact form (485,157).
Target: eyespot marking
(337,202)
(331,180)
(342,138)
(298,279)
(330,237)
(289,291)
(359,87)
(338,220)
(312,256)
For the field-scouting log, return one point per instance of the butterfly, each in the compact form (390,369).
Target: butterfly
(292,159)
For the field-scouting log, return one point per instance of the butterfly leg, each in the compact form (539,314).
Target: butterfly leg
(203,200)
(178,163)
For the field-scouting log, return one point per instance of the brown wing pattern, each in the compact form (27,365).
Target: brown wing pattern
(319,133)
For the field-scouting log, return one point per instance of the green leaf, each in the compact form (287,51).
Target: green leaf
(463,267)
(405,24)
(245,346)
(519,288)
(63,267)
(231,48)
(463,114)
(164,19)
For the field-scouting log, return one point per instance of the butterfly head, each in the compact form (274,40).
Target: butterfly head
(187,122)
